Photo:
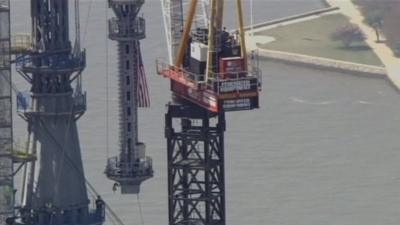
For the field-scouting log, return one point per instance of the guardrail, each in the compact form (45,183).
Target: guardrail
(4,5)
(290,18)
(21,43)
(4,54)
(127,29)
(116,168)
(136,2)
(79,102)
(51,61)
(218,82)
(25,104)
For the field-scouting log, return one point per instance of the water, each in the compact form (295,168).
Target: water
(322,150)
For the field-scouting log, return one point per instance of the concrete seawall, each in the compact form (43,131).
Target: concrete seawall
(290,18)
(323,63)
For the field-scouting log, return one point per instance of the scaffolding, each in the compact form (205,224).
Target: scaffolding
(174,14)
(6,132)
(196,173)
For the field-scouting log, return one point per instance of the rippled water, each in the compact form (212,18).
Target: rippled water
(322,150)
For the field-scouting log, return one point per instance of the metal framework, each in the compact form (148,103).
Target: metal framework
(54,190)
(196,186)
(132,167)
(6,131)
(174,18)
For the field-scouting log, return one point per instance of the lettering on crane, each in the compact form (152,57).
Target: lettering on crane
(237,104)
(237,85)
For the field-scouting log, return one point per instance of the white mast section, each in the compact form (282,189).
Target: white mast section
(174,19)
(173,24)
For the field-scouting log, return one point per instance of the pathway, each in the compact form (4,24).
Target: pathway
(392,64)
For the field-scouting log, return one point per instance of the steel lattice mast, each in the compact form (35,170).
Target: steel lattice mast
(54,190)
(196,173)
(132,167)
(6,132)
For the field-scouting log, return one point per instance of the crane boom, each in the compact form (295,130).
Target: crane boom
(174,20)
(186,33)
(219,20)
(241,31)
(212,26)
(173,24)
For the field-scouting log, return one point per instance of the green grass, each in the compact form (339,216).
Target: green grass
(313,38)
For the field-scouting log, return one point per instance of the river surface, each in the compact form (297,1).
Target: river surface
(322,150)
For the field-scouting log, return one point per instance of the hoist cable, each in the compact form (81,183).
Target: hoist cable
(87,21)
(107,88)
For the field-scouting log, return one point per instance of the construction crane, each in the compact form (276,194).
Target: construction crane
(132,167)
(210,73)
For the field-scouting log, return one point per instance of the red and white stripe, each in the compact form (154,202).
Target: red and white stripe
(142,89)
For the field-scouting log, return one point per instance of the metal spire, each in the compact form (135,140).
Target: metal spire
(132,167)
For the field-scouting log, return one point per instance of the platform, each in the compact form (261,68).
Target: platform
(238,92)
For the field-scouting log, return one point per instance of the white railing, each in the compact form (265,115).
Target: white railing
(21,42)
(79,102)
(70,62)
(4,55)
(161,66)
(252,77)
(25,105)
(123,29)
(116,168)
(4,4)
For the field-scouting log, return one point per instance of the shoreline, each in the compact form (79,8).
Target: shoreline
(309,61)
(291,18)
(320,63)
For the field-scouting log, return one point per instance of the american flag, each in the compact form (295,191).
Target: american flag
(142,89)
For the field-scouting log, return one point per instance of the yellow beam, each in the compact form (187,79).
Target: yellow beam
(186,33)
(211,31)
(220,15)
(241,31)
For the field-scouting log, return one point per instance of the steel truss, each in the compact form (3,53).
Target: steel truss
(196,176)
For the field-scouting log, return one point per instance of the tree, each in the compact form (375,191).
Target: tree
(391,27)
(374,18)
(397,49)
(389,11)
(348,34)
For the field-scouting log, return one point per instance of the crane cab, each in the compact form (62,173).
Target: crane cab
(234,83)
(212,67)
